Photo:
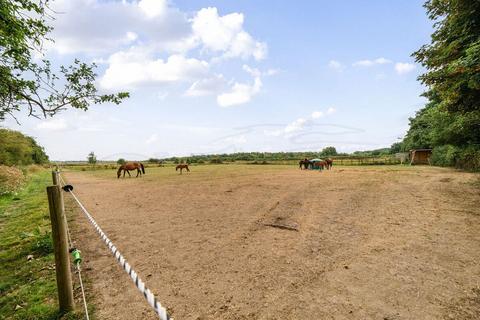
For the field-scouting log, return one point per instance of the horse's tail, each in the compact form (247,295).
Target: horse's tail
(143,168)
(119,171)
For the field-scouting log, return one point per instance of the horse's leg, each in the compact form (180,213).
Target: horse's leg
(124,172)
(129,175)
(138,171)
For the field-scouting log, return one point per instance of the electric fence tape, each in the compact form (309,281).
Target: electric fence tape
(152,301)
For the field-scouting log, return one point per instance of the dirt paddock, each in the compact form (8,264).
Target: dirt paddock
(386,242)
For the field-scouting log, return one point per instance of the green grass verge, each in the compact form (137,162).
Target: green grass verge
(27,288)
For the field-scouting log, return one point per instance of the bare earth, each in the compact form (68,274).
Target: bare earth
(386,242)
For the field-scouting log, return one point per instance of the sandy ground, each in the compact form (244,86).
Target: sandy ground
(372,242)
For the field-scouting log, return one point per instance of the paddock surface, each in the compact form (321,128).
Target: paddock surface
(385,242)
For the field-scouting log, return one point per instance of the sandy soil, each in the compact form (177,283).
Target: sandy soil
(372,242)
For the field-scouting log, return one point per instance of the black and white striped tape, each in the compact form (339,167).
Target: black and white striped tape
(152,301)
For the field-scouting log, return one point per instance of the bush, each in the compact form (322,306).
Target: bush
(469,159)
(34,168)
(19,149)
(216,161)
(448,155)
(444,156)
(11,179)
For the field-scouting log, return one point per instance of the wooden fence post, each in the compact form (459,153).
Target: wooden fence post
(55,177)
(60,247)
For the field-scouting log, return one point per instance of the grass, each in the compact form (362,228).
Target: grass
(197,172)
(210,172)
(28,288)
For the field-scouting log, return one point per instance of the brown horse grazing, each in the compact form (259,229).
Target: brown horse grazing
(329,164)
(131,166)
(181,167)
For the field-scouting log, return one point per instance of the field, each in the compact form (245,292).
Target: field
(275,242)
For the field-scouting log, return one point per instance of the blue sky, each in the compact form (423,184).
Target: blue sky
(229,76)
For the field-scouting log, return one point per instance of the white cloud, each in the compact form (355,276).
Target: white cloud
(240,93)
(130,36)
(151,42)
(296,125)
(336,65)
(55,124)
(207,86)
(236,139)
(153,8)
(382,61)
(128,69)
(272,72)
(317,114)
(152,139)
(107,26)
(369,63)
(226,34)
(403,68)
(331,110)
(254,72)
(300,124)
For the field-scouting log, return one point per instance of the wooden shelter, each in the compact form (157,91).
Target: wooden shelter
(420,156)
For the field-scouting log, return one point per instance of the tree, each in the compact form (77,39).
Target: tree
(92,158)
(121,161)
(452,59)
(329,151)
(18,149)
(396,147)
(33,86)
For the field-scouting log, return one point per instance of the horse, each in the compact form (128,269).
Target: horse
(322,164)
(329,163)
(181,167)
(305,163)
(131,166)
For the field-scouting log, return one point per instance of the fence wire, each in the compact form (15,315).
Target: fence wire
(147,294)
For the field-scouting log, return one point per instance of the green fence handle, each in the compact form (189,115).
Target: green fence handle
(77,258)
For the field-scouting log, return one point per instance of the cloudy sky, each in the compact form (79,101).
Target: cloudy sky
(230,76)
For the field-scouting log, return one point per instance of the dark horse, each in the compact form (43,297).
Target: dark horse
(181,167)
(131,166)
(329,164)
(305,163)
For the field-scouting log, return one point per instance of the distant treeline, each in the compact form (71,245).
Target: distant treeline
(273,156)
(19,149)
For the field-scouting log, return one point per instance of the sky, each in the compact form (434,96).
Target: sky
(236,76)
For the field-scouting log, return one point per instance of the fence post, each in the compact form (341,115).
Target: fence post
(55,177)
(60,247)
